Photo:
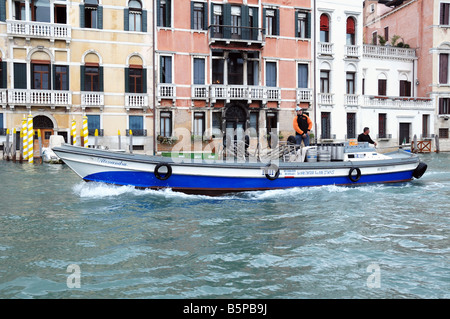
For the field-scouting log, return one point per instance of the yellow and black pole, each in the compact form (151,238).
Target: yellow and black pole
(85,131)
(25,139)
(30,133)
(74,132)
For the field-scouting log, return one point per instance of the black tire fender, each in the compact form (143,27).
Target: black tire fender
(420,170)
(358,174)
(273,167)
(164,176)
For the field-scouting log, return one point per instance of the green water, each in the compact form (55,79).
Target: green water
(320,242)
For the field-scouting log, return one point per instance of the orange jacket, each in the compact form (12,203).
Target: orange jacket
(297,129)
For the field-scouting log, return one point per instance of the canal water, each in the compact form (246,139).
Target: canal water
(64,238)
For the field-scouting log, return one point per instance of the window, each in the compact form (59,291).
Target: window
(444,105)
(302,24)
(324,28)
(363,86)
(326,125)
(443,68)
(135,16)
(199,123)
(351,38)
(217,20)
(324,81)
(199,20)
(20,75)
(445,13)
(41,76)
(252,72)
(90,14)
(40,10)
(60,14)
(235,64)
(425,125)
(3,75)
(351,125)
(217,71)
(271,21)
(136,124)
(166,124)
(135,82)
(19,10)
(199,71)
(61,77)
(350,78)
(443,133)
(217,124)
(382,125)
(165,69)
(271,74)
(382,87)
(375,38)
(164,13)
(302,81)
(91,78)
(386,33)
(254,117)
(405,88)
(236,22)
(94,124)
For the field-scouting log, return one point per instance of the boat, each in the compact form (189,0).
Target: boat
(48,155)
(284,167)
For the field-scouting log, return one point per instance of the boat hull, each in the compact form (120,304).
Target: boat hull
(215,178)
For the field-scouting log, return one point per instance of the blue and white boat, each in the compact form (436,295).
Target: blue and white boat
(298,167)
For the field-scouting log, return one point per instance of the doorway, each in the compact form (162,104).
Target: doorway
(404,136)
(45,125)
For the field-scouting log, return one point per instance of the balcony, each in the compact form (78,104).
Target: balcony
(166,91)
(243,92)
(352,51)
(351,99)
(3,98)
(326,99)
(49,98)
(389,52)
(304,95)
(137,132)
(136,101)
(325,48)
(397,102)
(92,99)
(41,30)
(236,34)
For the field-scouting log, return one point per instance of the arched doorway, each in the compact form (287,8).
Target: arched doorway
(45,125)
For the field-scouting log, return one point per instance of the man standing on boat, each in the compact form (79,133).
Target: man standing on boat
(365,137)
(302,125)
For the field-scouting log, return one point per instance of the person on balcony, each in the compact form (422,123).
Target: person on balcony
(302,125)
(365,137)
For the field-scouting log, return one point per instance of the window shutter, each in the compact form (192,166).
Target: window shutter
(192,15)
(100,17)
(199,71)
(212,19)
(227,20)
(264,21)
(205,16)
(4,75)
(443,68)
(255,31)
(81,15)
(127,80)
(126,19)
(308,25)
(277,21)
(158,17)
(20,75)
(296,24)
(100,79)
(54,77)
(144,20)
(168,13)
(444,14)
(82,68)
(68,78)
(245,22)
(144,80)
(2,10)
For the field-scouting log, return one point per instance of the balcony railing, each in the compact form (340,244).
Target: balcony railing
(3,97)
(136,101)
(200,92)
(326,98)
(39,97)
(32,29)
(352,51)
(351,100)
(326,48)
(243,92)
(92,99)
(397,102)
(388,52)
(227,33)
(138,132)
(166,91)
(304,95)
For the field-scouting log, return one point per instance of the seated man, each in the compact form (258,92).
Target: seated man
(365,137)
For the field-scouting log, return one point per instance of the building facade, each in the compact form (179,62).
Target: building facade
(62,60)
(423,25)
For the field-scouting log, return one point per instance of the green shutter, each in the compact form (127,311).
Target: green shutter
(227,20)
(20,75)
(168,13)
(81,15)
(2,10)
(99,17)
(126,19)
(245,22)
(54,77)
(127,80)
(256,30)
(205,16)
(144,80)
(212,19)
(4,75)
(144,20)
(308,25)
(158,18)
(192,15)
(68,78)
(100,79)
(277,17)
(264,21)
(82,68)
(296,24)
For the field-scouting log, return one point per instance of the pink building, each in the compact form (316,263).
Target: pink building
(236,64)
(423,25)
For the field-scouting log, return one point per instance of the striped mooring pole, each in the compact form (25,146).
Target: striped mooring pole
(74,132)
(30,133)
(85,131)
(24,139)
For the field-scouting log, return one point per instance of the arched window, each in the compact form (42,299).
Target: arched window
(351,38)
(324,28)
(135,15)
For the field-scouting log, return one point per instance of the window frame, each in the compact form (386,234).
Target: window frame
(34,72)
(167,116)
(64,85)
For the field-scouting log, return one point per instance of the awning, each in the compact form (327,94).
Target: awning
(324,23)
